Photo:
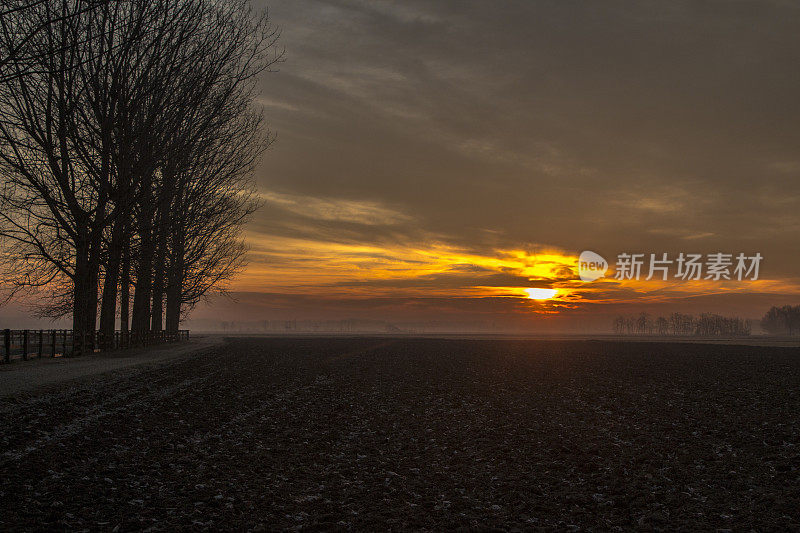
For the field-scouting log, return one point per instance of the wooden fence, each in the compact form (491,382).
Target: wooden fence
(28,343)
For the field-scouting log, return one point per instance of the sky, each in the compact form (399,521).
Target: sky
(433,160)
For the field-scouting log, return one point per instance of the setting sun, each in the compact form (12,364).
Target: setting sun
(541,294)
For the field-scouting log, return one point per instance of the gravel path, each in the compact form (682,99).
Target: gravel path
(375,434)
(32,375)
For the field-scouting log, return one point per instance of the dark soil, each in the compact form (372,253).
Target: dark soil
(376,434)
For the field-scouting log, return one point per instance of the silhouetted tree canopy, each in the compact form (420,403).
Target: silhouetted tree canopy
(782,320)
(682,325)
(128,138)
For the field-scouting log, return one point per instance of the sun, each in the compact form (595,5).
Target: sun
(541,294)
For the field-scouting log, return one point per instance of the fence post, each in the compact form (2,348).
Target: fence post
(41,344)
(53,347)
(64,344)
(25,345)
(7,345)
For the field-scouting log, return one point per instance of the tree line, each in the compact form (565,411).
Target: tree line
(128,138)
(679,324)
(782,320)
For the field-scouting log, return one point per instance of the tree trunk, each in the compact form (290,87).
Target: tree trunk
(92,293)
(144,271)
(157,315)
(140,322)
(108,310)
(95,250)
(175,282)
(124,291)
(80,291)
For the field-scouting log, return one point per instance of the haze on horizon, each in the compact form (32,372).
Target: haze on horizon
(436,159)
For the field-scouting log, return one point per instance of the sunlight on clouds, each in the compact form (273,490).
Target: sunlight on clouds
(299,266)
(276,104)
(437,269)
(361,212)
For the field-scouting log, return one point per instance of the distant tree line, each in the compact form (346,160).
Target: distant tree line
(683,325)
(782,320)
(127,143)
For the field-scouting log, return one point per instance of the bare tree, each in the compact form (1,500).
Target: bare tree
(204,181)
(22,25)
(51,208)
(127,141)
(678,324)
(782,320)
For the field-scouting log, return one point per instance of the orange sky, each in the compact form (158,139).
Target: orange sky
(295,266)
(379,279)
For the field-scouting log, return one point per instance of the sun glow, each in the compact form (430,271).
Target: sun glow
(541,294)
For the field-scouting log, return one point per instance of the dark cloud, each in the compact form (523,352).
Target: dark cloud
(613,124)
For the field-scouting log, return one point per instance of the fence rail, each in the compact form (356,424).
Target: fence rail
(28,343)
